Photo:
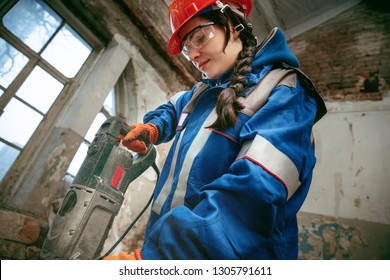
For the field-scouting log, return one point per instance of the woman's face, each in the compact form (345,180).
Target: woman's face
(212,59)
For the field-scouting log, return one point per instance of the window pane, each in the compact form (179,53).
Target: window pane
(109,103)
(96,124)
(8,156)
(11,63)
(67,52)
(78,159)
(82,151)
(40,89)
(33,22)
(18,123)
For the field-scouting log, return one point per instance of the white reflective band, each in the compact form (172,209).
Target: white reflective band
(175,97)
(260,94)
(181,188)
(276,163)
(182,119)
(193,151)
(158,203)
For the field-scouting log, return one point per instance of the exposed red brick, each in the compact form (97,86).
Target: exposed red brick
(342,53)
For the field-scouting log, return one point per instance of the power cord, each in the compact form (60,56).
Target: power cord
(154,166)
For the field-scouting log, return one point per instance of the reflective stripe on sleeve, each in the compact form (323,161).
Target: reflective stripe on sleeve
(196,146)
(263,153)
(166,189)
(175,97)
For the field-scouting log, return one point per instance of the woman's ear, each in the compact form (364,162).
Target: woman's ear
(234,34)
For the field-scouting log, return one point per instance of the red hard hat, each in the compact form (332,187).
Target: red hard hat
(181,11)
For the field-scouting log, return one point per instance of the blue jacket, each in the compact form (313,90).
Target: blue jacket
(233,194)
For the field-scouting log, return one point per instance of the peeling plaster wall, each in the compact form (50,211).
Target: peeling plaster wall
(347,212)
(41,186)
(352,175)
(331,238)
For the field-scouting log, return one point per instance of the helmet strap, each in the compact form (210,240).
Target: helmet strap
(238,26)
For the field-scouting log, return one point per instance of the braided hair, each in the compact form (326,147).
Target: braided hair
(228,105)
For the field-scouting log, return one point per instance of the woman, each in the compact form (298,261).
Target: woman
(234,179)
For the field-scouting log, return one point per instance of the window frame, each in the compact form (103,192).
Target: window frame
(35,59)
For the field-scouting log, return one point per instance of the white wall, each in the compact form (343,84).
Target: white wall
(352,178)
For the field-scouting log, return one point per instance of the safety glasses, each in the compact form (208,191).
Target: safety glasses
(197,38)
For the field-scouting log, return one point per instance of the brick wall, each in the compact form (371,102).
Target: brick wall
(348,57)
(21,236)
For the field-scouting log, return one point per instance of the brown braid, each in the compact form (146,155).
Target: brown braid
(228,105)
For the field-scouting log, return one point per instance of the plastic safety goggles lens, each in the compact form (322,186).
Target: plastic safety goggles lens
(198,39)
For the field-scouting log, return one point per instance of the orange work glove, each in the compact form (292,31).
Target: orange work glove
(136,255)
(140,136)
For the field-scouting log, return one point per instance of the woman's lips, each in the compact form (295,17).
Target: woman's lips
(202,64)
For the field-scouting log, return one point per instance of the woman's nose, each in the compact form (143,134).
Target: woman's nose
(194,53)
